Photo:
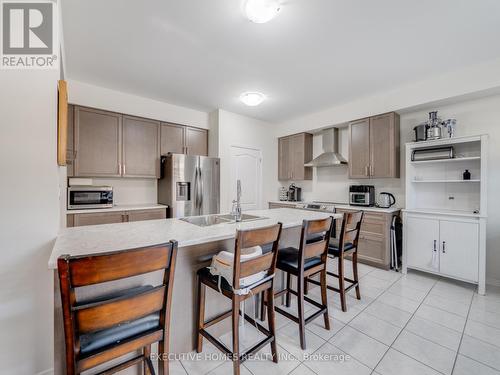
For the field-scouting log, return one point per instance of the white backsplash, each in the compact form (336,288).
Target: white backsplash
(131,190)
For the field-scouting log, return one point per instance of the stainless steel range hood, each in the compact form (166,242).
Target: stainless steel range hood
(330,156)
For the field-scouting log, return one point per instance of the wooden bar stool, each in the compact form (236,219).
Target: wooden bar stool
(347,243)
(309,259)
(110,326)
(265,263)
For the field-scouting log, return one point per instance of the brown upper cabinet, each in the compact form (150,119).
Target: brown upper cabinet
(293,152)
(179,139)
(98,143)
(108,144)
(374,147)
(140,147)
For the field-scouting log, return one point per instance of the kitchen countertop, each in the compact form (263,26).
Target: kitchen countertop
(118,207)
(348,207)
(94,239)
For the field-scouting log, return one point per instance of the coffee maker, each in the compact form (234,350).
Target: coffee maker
(294,193)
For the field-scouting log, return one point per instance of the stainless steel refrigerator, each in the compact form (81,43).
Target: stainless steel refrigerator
(189,185)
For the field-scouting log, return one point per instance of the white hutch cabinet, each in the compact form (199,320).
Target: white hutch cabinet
(444,222)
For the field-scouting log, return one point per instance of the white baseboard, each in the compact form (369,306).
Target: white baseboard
(50,371)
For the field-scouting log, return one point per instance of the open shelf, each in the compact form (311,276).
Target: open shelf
(446,181)
(446,160)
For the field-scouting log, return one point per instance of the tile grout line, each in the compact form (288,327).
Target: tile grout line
(399,334)
(462,336)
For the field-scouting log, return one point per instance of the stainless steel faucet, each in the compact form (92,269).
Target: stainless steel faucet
(236,210)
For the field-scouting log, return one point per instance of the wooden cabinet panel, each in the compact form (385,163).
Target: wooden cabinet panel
(172,139)
(141,149)
(278,205)
(384,146)
(196,141)
(97,143)
(359,149)
(293,152)
(80,220)
(284,159)
(459,249)
(372,249)
(70,150)
(141,215)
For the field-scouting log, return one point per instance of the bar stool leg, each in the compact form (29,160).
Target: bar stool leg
(272,323)
(201,315)
(236,328)
(324,299)
(263,306)
(147,354)
(341,282)
(300,302)
(163,359)
(288,285)
(306,286)
(355,272)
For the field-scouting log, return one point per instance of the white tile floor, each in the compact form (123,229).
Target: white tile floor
(403,325)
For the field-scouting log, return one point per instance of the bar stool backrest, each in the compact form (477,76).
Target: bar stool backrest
(351,227)
(320,229)
(266,262)
(80,271)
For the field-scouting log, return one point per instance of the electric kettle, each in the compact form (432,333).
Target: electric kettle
(386,200)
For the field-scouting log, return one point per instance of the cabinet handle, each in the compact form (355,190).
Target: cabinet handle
(124,169)
(371,170)
(120,169)
(444,247)
(435,242)
(367,173)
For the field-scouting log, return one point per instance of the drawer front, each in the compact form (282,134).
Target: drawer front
(373,223)
(141,215)
(80,220)
(277,205)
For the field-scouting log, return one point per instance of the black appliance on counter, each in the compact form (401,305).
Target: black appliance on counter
(362,195)
(294,193)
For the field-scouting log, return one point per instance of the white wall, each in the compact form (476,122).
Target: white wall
(103,98)
(236,130)
(29,218)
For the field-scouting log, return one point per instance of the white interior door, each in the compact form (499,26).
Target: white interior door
(246,165)
(459,247)
(422,243)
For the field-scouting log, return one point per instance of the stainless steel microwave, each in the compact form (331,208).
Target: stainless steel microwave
(86,197)
(362,195)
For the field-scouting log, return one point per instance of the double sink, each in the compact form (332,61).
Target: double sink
(208,220)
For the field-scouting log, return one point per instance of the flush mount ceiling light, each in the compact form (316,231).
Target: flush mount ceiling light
(252,98)
(261,11)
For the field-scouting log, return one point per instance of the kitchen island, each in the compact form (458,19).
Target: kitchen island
(197,245)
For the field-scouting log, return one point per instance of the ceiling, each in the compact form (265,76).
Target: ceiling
(316,54)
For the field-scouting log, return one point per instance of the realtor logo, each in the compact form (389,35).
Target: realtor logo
(28,35)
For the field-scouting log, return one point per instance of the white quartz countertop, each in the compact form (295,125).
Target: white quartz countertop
(348,207)
(369,209)
(95,239)
(119,207)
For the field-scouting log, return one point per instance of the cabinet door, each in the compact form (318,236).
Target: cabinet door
(172,139)
(97,143)
(284,156)
(459,248)
(141,149)
(384,147)
(80,220)
(196,141)
(359,149)
(300,152)
(141,215)
(70,149)
(422,243)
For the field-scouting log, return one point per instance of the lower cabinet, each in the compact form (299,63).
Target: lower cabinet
(374,246)
(446,246)
(97,218)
